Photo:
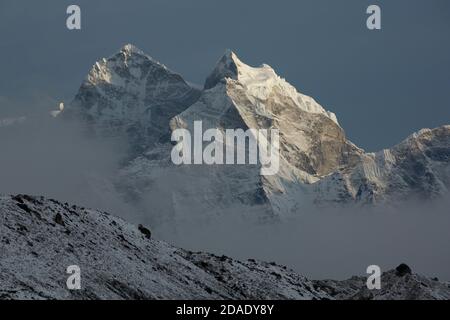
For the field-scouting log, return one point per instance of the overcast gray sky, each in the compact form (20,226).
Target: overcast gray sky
(383,85)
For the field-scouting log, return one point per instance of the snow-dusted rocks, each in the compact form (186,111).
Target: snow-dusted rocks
(417,168)
(40,238)
(398,284)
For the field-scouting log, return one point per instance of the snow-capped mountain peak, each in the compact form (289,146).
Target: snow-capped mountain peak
(134,95)
(312,143)
(132,49)
(226,67)
(261,83)
(128,65)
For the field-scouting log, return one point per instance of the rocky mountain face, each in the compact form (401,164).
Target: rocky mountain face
(41,237)
(398,284)
(131,94)
(418,168)
(312,144)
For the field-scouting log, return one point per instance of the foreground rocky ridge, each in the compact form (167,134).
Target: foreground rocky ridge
(40,238)
(398,284)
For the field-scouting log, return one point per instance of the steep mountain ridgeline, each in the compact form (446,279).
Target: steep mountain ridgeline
(40,238)
(132,95)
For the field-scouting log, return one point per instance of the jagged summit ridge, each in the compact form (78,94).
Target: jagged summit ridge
(128,62)
(131,51)
(131,48)
(226,67)
(261,83)
(133,95)
(256,97)
(417,168)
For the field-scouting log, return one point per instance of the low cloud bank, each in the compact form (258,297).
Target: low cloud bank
(45,156)
(333,243)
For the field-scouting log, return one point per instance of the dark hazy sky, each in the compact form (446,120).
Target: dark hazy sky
(383,85)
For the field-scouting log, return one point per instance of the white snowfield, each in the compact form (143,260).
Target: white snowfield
(40,238)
